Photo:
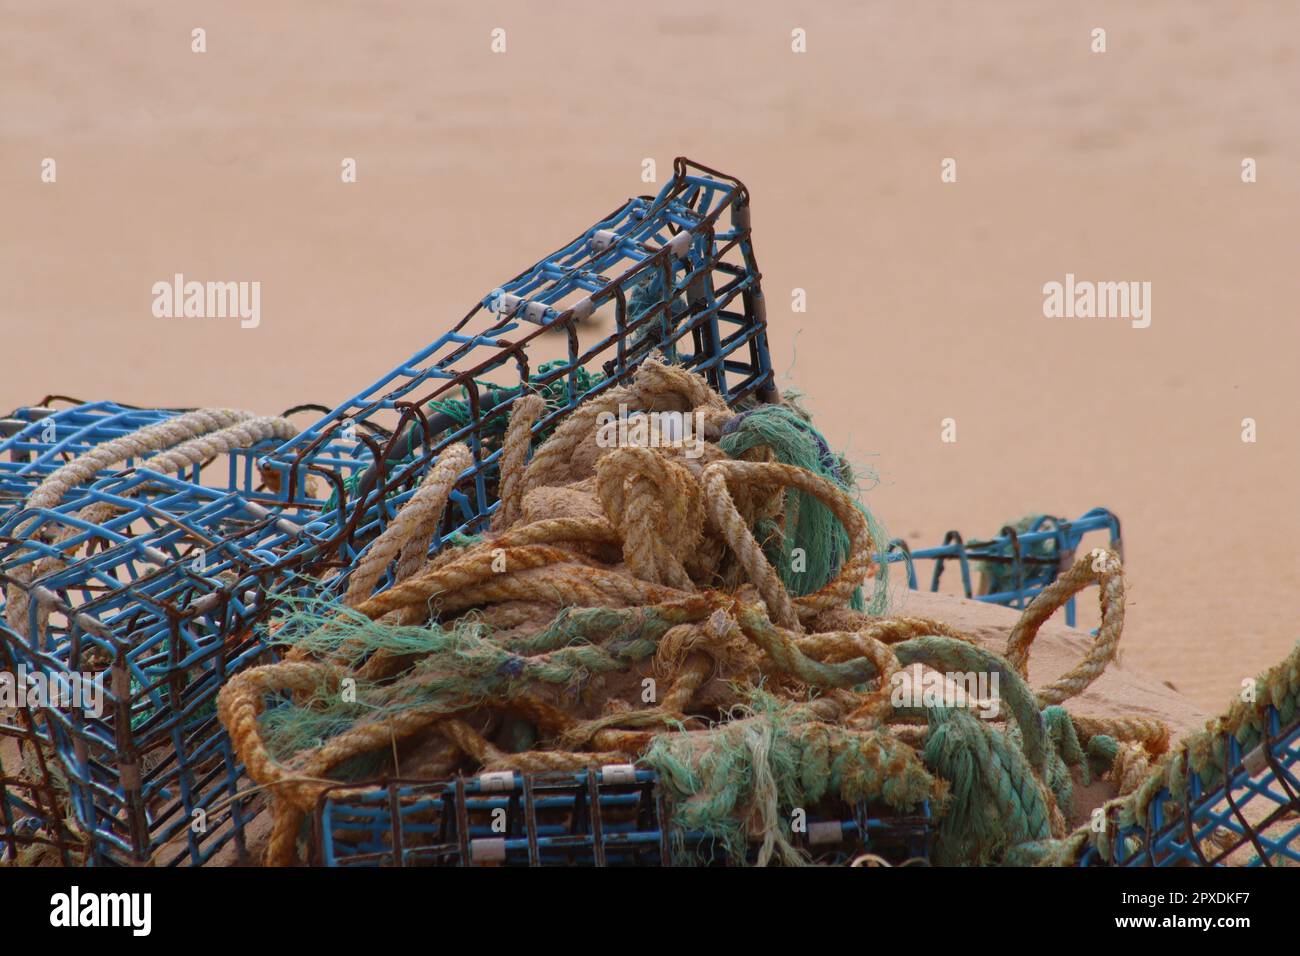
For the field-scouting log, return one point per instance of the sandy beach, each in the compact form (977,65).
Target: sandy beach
(924,298)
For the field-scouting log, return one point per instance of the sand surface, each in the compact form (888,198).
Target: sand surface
(924,299)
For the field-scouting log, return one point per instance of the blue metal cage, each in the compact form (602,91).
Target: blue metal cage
(1023,562)
(1248,815)
(612,816)
(37,440)
(166,597)
(673,278)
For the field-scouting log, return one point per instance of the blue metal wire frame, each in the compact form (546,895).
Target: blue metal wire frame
(1253,810)
(1029,572)
(708,315)
(35,441)
(161,604)
(166,596)
(615,816)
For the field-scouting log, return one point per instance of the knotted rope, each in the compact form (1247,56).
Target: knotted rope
(560,621)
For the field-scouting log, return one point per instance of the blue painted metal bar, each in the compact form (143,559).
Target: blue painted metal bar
(1252,811)
(1034,566)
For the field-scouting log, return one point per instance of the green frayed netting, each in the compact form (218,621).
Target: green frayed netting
(329,631)
(746,779)
(555,393)
(452,669)
(814,546)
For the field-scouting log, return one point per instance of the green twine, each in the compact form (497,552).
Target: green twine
(459,539)
(745,779)
(555,393)
(994,801)
(656,334)
(455,668)
(815,545)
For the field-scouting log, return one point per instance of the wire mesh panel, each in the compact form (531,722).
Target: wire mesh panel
(1012,568)
(32,787)
(159,596)
(150,620)
(674,273)
(36,441)
(1248,816)
(613,816)
(607,817)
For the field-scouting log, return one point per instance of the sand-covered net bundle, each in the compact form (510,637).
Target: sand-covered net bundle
(695,607)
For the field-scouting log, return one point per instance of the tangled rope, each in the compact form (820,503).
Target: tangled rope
(647,570)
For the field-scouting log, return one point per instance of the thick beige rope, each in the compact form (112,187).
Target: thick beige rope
(474,567)
(1150,733)
(410,532)
(1102,567)
(655,505)
(196,451)
(514,458)
(890,630)
(658,508)
(297,786)
(727,519)
(566,585)
(138,444)
(1132,766)
(655,387)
